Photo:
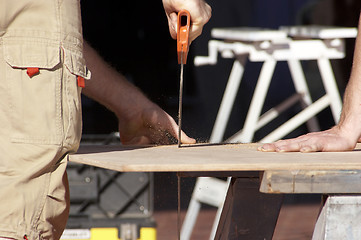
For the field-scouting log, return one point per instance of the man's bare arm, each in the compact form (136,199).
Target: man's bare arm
(140,120)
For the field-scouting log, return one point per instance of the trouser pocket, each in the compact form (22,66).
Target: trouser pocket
(75,71)
(35,97)
(45,104)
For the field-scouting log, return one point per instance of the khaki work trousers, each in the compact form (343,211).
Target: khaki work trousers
(40,114)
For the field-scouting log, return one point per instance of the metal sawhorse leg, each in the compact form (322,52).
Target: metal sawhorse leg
(210,191)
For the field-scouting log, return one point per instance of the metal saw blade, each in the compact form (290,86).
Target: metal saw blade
(180,103)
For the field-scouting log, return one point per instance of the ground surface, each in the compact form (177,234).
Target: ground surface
(296,222)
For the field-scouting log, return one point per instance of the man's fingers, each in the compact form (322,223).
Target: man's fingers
(296,146)
(278,147)
(300,144)
(196,31)
(187,140)
(173,129)
(268,147)
(198,22)
(172,22)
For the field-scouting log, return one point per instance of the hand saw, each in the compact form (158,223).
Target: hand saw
(183,26)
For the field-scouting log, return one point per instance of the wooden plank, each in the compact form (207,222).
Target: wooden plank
(212,157)
(311,181)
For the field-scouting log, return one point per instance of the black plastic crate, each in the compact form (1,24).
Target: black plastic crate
(104,194)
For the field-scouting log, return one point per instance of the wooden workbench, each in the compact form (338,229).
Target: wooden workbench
(248,213)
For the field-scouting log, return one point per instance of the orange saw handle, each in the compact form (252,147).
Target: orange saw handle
(183,25)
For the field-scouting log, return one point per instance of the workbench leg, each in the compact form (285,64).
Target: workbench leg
(247,213)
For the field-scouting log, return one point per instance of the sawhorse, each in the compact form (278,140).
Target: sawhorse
(272,46)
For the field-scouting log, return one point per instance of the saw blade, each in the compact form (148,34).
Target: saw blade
(180,103)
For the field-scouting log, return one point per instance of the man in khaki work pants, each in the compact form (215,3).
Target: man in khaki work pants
(42,66)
